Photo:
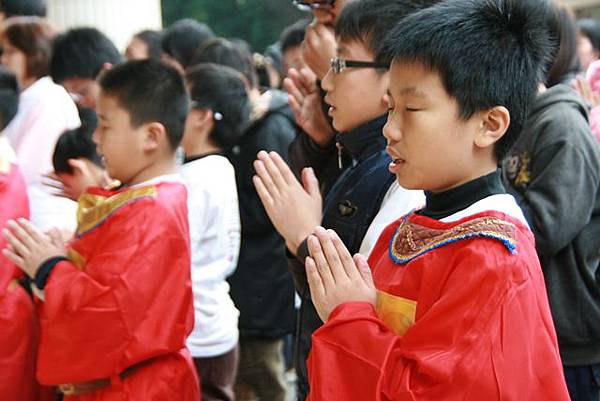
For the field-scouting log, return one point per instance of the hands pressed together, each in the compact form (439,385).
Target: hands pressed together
(28,247)
(294,209)
(334,276)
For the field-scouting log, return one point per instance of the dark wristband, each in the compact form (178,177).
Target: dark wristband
(42,274)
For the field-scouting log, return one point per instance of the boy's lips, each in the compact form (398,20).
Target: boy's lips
(397,160)
(331,105)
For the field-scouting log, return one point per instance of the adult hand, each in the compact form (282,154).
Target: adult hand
(294,209)
(28,247)
(306,104)
(334,276)
(318,47)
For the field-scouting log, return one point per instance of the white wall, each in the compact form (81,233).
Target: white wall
(118,19)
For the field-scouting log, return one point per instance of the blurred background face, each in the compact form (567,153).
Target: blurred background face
(137,50)
(83,90)
(15,60)
(585,51)
(293,58)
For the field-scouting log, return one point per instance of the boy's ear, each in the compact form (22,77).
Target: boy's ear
(78,165)
(494,124)
(155,135)
(201,117)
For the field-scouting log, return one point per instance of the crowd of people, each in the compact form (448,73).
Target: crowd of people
(397,200)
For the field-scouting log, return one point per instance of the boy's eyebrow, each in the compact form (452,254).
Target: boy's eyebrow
(412,91)
(340,50)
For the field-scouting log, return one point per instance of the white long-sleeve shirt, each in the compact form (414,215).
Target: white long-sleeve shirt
(45,111)
(215,243)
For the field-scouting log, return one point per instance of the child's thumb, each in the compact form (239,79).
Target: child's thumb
(364,269)
(310,182)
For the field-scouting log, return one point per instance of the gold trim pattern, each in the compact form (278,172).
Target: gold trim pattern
(76,258)
(94,209)
(412,240)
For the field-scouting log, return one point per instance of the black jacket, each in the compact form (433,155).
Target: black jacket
(349,208)
(262,287)
(554,172)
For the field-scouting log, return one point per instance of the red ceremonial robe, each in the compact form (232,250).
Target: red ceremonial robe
(17,316)
(123,298)
(462,314)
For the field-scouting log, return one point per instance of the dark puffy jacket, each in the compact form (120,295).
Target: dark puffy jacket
(554,172)
(349,208)
(262,286)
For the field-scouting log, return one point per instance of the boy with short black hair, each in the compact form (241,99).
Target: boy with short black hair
(365,198)
(455,306)
(78,57)
(291,45)
(76,162)
(116,302)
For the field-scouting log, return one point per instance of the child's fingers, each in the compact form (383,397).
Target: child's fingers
(56,237)
(284,169)
(308,80)
(263,192)
(317,290)
(13,257)
(266,179)
(32,231)
(345,257)
(316,252)
(331,254)
(272,169)
(293,90)
(15,243)
(20,233)
(364,269)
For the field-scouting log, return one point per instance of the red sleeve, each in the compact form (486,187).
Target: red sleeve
(131,302)
(449,353)
(17,317)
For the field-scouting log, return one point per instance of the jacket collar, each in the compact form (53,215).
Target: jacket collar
(364,140)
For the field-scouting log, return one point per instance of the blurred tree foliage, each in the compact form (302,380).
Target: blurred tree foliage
(259,22)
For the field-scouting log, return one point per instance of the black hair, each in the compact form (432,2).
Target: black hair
(487,53)
(77,143)
(150,91)
(152,39)
(9,96)
(293,35)
(81,53)
(225,52)
(222,90)
(11,8)
(590,28)
(181,39)
(369,21)
(275,57)
(564,64)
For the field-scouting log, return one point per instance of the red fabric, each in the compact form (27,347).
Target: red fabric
(482,329)
(129,300)
(17,316)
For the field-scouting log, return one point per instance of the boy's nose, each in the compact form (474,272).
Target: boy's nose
(388,131)
(327,82)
